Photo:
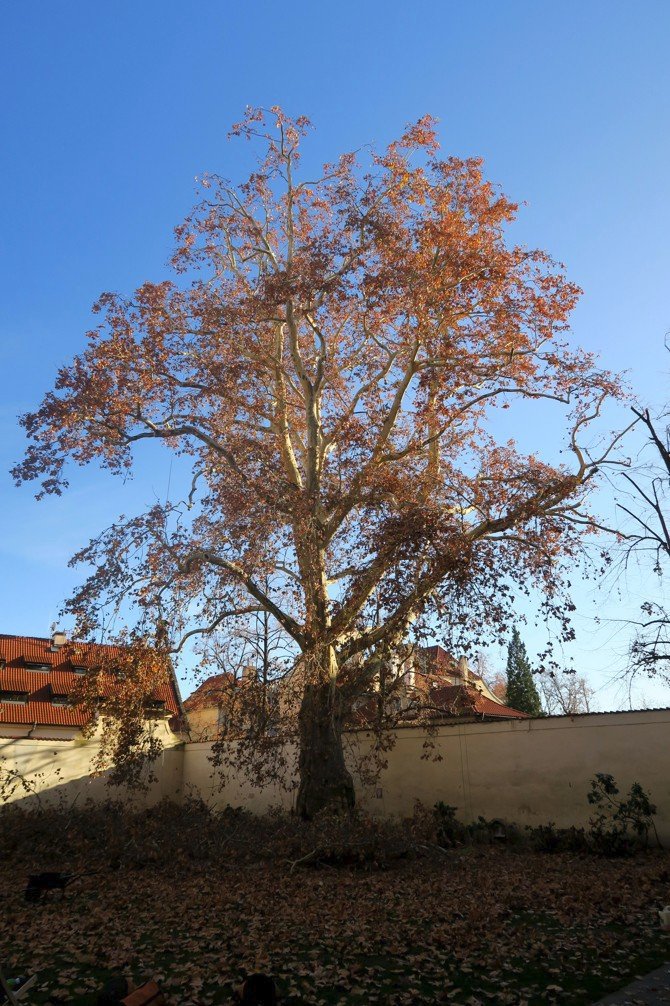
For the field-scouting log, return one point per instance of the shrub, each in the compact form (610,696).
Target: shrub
(354,840)
(449,831)
(174,837)
(548,838)
(621,825)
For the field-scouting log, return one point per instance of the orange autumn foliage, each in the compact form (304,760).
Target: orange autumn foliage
(328,363)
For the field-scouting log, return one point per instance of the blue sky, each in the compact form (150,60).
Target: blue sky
(110,110)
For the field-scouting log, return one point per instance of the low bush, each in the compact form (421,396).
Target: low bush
(178,836)
(622,824)
(549,838)
(450,832)
(353,840)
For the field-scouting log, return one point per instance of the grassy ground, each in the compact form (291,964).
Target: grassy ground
(476,925)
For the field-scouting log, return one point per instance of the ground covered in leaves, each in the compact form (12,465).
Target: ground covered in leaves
(198,906)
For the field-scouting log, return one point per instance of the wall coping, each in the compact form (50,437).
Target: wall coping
(513,724)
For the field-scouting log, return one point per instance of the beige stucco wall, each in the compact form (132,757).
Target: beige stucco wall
(60,769)
(201,779)
(526,771)
(203,724)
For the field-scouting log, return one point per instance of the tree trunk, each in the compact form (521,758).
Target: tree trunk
(325,781)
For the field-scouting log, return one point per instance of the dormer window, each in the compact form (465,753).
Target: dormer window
(14,697)
(32,665)
(79,669)
(58,699)
(154,708)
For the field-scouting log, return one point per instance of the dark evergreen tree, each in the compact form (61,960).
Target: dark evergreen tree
(521,691)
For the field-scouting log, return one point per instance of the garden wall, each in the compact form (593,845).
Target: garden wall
(56,769)
(526,771)
(200,779)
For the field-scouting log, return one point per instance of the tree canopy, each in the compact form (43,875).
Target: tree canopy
(328,361)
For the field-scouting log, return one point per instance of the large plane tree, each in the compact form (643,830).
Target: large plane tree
(328,361)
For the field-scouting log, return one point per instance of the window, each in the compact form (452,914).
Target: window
(18,698)
(60,700)
(154,707)
(34,666)
(79,669)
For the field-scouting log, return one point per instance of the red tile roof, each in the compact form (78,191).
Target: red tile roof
(16,652)
(465,700)
(449,702)
(438,662)
(439,657)
(34,738)
(432,698)
(212,692)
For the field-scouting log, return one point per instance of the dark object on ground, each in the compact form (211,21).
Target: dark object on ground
(150,992)
(113,991)
(42,883)
(13,990)
(258,990)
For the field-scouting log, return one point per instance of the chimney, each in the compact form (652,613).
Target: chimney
(464,669)
(249,673)
(58,639)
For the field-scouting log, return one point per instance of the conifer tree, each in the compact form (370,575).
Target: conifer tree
(521,691)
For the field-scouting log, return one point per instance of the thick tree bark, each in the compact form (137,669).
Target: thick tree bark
(325,781)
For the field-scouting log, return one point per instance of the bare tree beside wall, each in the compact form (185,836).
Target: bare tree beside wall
(645,534)
(565,694)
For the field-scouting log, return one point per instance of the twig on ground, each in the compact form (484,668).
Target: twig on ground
(304,859)
(432,845)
